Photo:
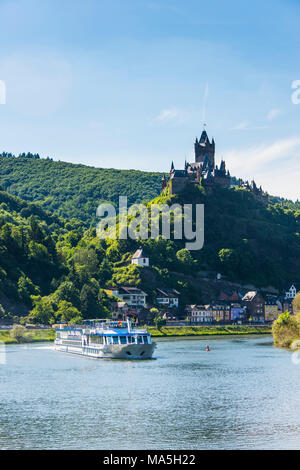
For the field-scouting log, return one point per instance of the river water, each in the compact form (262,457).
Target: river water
(242,394)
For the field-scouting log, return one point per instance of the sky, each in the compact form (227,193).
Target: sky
(130,83)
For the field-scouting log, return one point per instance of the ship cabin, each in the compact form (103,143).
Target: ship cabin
(103,332)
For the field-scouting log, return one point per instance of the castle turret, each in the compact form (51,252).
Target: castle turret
(203,147)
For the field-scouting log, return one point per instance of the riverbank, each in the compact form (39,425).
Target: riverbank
(209,330)
(32,336)
(36,336)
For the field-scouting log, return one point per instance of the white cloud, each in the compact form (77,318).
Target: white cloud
(245,125)
(273,113)
(172,115)
(275,166)
(241,125)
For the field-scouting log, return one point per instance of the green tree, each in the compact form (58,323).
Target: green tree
(159,322)
(296,303)
(87,257)
(89,302)
(186,261)
(229,260)
(68,292)
(66,312)
(26,288)
(20,334)
(43,310)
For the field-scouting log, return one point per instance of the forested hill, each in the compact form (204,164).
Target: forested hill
(57,268)
(73,190)
(245,240)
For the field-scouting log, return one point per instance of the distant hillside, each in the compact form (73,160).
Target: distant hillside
(55,269)
(45,265)
(245,240)
(58,270)
(28,256)
(71,190)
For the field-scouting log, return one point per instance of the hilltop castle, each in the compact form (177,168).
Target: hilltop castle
(204,170)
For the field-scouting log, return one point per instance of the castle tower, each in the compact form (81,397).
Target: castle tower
(203,148)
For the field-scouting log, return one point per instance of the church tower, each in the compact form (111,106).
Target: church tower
(205,148)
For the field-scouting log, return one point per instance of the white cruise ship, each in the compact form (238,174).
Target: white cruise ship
(105,339)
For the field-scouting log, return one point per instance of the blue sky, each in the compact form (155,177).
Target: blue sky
(128,83)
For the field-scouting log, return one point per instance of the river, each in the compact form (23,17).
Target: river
(243,394)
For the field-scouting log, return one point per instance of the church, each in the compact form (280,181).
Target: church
(203,169)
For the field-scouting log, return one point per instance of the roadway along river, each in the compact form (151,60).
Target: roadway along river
(244,393)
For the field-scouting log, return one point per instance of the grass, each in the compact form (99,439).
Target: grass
(33,336)
(208,330)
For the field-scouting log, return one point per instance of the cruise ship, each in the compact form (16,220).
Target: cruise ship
(105,339)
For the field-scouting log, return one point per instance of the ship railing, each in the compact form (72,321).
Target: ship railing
(105,325)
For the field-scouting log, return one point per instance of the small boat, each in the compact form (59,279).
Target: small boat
(105,339)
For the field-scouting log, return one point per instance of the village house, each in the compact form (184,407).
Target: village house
(237,312)
(230,296)
(273,308)
(291,292)
(221,313)
(119,310)
(287,305)
(139,258)
(133,296)
(197,314)
(255,304)
(167,298)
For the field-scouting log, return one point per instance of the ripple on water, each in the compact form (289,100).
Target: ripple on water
(237,396)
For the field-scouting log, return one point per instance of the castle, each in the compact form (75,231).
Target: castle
(204,170)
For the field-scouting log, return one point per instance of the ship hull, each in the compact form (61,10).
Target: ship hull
(117,351)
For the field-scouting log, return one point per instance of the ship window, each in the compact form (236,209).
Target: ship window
(123,340)
(145,338)
(96,339)
(139,340)
(115,339)
(108,340)
(131,339)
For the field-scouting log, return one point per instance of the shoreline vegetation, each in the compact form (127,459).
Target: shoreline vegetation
(286,329)
(214,330)
(21,336)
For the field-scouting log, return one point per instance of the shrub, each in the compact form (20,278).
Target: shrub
(20,334)
(285,330)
